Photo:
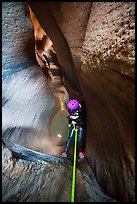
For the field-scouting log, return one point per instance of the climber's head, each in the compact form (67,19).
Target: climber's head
(73,105)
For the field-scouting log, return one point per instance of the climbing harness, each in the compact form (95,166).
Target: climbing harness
(74,166)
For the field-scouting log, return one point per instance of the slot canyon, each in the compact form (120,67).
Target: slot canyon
(53,52)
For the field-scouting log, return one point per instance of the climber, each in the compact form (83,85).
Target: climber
(75,117)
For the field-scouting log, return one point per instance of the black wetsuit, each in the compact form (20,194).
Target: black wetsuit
(78,117)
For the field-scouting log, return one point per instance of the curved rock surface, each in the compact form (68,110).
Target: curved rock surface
(45,180)
(101,39)
(107,75)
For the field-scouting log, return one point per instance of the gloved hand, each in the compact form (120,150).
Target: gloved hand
(73,122)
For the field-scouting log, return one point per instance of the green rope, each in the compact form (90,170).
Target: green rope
(74,168)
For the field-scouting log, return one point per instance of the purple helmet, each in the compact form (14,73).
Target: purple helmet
(73,105)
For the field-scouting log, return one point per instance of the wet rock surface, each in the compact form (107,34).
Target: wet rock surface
(44,181)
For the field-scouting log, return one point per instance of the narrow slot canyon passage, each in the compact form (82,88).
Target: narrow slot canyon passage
(53,52)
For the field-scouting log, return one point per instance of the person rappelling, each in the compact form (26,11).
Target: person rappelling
(76,120)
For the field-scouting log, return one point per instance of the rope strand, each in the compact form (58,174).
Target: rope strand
(74,167)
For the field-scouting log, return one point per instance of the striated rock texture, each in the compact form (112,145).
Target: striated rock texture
(33,182)
(24,86)
(109,70)
(17,55)
(46,181)
(101,39)
(107,75)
